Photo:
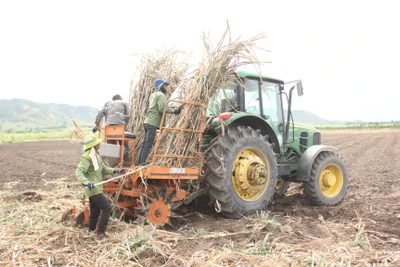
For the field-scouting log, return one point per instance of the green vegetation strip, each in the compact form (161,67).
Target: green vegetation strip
(361,126)
(19,137)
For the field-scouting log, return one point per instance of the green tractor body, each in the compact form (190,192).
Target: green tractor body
(254,150)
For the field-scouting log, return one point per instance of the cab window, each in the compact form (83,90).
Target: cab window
(251,97)
(223,100)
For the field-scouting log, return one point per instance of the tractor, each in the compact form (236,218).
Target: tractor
(264,150)
(250,151)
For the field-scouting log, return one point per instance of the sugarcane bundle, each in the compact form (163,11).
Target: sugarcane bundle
(171,65)
(216,70)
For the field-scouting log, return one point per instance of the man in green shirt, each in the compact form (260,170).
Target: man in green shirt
(153,118)
(90,172)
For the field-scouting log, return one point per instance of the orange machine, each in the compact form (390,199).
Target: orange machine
(153,191)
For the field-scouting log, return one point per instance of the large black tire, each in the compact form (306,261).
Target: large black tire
(329,180)
(241,171)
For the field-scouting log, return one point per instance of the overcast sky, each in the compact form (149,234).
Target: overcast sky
(80,52)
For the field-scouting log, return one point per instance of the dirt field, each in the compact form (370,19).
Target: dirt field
(364,230)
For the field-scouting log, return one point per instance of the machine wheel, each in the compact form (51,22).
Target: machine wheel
(241,171)
(159,207)
(281,188)
(329,180)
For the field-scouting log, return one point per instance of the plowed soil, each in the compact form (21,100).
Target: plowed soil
(371,208)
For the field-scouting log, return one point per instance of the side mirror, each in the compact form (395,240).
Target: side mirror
(299,88)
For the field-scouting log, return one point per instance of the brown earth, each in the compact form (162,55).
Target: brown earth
(371,209)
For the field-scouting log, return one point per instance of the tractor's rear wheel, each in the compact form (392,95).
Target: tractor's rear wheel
(241,171)
(329,180)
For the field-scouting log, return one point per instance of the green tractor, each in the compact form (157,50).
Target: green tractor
(253,151)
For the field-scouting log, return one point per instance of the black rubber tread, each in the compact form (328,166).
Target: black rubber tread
(312,187)
(282,190)
(218,170)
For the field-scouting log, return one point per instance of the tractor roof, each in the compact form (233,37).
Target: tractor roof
(246,74)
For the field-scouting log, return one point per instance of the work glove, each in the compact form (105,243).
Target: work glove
(95,129)
(90,186)
(123,170)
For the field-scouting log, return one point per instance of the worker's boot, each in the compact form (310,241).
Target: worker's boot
(101,235)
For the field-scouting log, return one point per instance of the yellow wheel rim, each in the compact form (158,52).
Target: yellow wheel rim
(331,180)
(250,174)
(279,184)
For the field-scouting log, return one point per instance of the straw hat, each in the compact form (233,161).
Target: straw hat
(91,141)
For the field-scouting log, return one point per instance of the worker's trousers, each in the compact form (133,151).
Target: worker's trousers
(99,207)
(149,137)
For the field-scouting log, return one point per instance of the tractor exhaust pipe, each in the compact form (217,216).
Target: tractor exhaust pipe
(289,112)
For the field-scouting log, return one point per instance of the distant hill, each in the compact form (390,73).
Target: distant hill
(26,115)
(309,118)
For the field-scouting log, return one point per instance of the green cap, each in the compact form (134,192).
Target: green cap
(91,141)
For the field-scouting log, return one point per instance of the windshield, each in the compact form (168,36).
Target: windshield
(271,101)
(223,100)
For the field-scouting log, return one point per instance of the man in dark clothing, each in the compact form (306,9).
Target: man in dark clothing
(154,116)
(116,112)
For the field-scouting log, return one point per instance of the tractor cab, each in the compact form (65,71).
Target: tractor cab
(249,101)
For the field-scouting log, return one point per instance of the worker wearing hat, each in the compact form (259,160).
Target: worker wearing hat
(90,172)
(155,111)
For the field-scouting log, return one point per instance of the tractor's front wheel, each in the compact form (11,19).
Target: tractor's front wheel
(281,188)
(241,171)
(329,180)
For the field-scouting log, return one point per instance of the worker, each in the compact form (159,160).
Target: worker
(116,112)
(155,111)
(89,172)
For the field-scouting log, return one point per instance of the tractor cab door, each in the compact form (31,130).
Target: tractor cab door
(263,98)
